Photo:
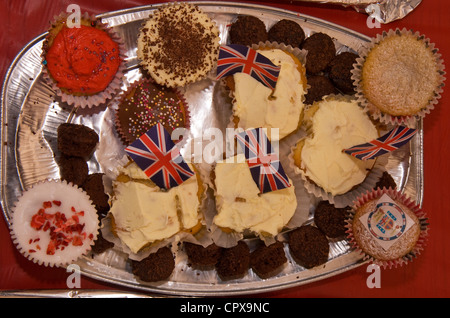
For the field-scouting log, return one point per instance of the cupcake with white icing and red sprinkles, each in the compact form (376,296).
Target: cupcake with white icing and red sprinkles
(54,223)
(178,44)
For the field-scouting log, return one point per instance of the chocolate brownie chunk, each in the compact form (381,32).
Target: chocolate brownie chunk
(330,220)
(321,51)
(155,267)
(386,181)
(73,169)
(309,246)
(200,256)
(76,140)
(320,86)
(101,244)
(340,71)
(96,191)
(267,261)
(234,262)
(247,30)
(287,32)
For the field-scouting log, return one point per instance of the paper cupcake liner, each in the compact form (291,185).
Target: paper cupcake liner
(202,237)
(408,203)
(341,200)
(97,99)
(229,238)
(297,52)
(207,74)
(33,243)
(372,109)
(129,88)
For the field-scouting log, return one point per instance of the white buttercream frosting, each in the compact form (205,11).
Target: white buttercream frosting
(143,213)
(241,206)
(336,125)
(257,106)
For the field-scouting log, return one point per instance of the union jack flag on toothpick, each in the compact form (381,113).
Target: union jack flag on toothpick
(158,156)
(265,166)
(391,141)
(237,58)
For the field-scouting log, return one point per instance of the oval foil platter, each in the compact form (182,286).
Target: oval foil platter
(31,115)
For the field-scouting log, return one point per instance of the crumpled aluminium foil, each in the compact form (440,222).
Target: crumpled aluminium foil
(383,11)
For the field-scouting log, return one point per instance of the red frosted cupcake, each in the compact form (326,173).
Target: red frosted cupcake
(83,64)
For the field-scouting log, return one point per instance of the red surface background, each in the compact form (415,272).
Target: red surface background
(427,276)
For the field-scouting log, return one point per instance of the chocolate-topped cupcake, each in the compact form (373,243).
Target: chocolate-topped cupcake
(146,103)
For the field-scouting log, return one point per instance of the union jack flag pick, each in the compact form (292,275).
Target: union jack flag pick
(265,167)
(391,141)
(237,58)
(158,156)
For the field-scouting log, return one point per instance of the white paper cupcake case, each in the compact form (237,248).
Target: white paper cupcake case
(203,237)
(345,199)
(371,109)
(109,92)
(22,232)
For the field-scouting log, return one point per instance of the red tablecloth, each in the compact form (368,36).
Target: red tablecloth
(427,276)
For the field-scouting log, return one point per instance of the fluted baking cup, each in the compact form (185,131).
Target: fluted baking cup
(396,78)
(382,249)
(152,105)
(54,223)
(86,100)
(155,56)
(339,200)
(300,55)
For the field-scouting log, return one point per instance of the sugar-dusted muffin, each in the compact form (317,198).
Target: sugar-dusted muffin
(400,75)
(247,30)
(256,105)
(145,104)
(83,64)
(178,44)
(388,227)
(53,223)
